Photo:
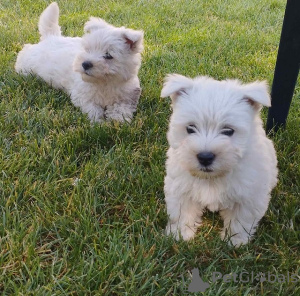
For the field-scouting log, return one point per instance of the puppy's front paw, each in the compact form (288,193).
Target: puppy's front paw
(185,232)
(116,112)
(95,114)
(235,240)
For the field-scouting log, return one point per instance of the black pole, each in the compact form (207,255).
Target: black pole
(287,67)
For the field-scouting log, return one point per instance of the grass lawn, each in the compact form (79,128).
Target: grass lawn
(82,207)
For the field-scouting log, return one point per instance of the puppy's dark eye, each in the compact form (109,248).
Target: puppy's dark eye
(227,131)
(191,129)
(107,56)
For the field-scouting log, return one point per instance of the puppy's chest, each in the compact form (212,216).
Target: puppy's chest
(106,96)
(111,95)
(212,195)
(85,93)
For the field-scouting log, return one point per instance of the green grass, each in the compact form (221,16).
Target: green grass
(82,206)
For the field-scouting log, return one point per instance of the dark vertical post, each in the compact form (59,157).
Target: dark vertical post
(287,67)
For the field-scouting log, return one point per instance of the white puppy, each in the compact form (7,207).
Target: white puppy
(99,71)
(219,156)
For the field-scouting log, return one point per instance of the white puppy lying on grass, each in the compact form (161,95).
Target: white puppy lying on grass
(99,71)
(219,156)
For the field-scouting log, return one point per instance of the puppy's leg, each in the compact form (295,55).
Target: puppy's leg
(119,112)
(95,112)
(123,111)
(184,217)
(240,222)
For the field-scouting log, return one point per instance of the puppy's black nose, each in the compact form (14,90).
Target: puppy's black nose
(87,65)
(206,158)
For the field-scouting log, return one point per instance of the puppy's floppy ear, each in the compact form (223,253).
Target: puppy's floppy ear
(256,94)
(134,39)
(175,85)
(94,24)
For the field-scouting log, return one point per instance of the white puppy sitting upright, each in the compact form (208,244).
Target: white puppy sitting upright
(98,71)
(219,156)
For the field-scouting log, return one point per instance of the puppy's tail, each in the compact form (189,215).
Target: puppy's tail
(48,23)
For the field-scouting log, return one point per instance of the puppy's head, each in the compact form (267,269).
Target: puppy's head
(108,52)
(212,121)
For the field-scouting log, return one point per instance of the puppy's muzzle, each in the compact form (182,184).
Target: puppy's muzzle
(87,65)
(206,158)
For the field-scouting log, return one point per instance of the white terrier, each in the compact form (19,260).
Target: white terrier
(98,71)
(219,156)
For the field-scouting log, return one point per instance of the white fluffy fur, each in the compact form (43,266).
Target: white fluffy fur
(244,171)
(110,88)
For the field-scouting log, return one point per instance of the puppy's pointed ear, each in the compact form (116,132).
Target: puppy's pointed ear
(257,94)
(134,39)
(176,85)
(94,24)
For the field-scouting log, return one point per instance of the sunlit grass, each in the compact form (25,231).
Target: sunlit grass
(82,206)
